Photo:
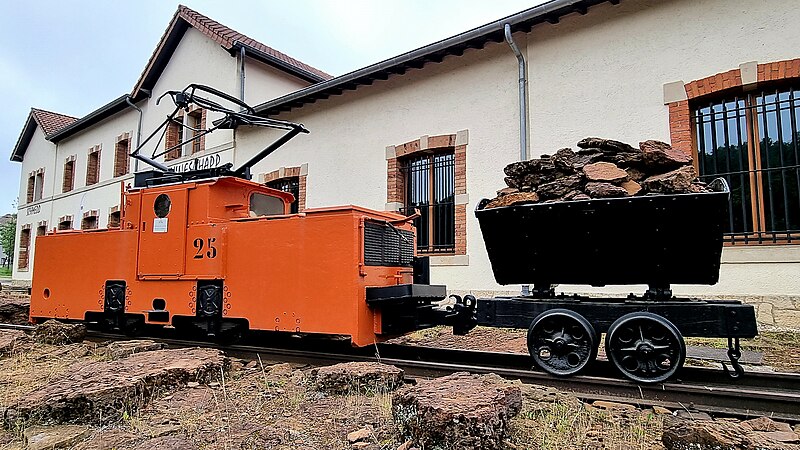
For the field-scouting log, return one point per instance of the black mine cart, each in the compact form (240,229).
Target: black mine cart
(653,240)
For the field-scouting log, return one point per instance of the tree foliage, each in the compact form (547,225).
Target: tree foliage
(8,234)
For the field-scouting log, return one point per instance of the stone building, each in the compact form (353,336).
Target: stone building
(433,128)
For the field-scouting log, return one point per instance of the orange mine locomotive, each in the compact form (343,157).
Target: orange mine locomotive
(211,251)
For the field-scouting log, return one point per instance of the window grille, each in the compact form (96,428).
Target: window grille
(290,185)
(122,157)
(430,189)
(752,141)
(69,176)
(24,246)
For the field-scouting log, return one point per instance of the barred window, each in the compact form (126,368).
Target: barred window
(430,189)
(93,168)
(24,246)
(122,157)
(752,141)
(69,176)
(290,185)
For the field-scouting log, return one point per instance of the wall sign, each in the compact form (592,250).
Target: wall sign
(35,209)
(203,162)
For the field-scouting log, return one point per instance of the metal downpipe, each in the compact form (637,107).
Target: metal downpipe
(523,95)
(138,130)
(523,109)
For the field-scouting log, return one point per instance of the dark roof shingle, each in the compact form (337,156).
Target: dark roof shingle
(51,121)
(222,35)
(226,37)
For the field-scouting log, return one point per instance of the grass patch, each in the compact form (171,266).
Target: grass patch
(5,271)
(577,426)
(781,349)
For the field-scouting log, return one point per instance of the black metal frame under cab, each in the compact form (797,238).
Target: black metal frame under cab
(753,141)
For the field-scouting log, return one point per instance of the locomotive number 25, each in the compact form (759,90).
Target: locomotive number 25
(199,243)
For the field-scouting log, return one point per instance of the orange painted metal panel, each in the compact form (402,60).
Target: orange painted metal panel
(294,272)
(162,239)
(72,267)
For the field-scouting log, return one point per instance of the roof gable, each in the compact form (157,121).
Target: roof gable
(229,39)
(49,121)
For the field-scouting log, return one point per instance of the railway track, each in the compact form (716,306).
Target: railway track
(775,395)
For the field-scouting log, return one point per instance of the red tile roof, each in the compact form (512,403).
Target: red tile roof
(225,37)
(51,121)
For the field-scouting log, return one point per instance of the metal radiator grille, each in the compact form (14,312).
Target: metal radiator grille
(385,245)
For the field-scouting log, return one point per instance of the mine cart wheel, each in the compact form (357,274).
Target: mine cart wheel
(562,342)
(645,347)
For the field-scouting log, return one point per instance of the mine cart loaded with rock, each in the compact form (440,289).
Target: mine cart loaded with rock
(610,214)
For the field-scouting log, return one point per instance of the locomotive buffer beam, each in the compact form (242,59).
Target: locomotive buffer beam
(410,307)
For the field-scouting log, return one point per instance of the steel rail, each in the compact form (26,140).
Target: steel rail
(774,395)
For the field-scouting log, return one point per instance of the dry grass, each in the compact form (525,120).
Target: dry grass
(781,349)
(27,370)
(572,425)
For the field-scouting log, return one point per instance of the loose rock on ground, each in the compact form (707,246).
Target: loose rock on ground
(103,390)
(461,411)
(359,377)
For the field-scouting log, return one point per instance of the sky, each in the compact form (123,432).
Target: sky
(72,57)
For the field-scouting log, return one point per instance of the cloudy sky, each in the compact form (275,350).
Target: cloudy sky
(72,57)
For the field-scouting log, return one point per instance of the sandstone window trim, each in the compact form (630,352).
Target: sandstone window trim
(114,217)
(90,220)
(41,228)
(708,100)
(195,125)
(93,165)
(173,138)
(122,150)
(68,182)
(65,223)
(289,179)
(30,188)
(398,155)
(24,247)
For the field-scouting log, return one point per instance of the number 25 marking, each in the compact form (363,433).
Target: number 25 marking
(210,253)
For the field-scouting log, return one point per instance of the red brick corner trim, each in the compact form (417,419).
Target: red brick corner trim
(396,189)
(680,126)
(289,172)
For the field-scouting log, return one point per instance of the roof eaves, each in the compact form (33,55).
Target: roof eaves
(104,112)
(476,38)
(24,139)
(278,63)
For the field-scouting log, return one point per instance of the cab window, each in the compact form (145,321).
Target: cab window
(265,205)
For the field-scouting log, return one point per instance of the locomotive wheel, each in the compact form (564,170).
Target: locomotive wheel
(645,347)
(562,342)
